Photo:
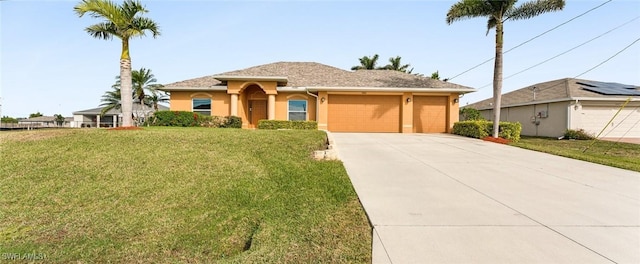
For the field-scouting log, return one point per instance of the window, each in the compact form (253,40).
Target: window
(202,106)
(297,110)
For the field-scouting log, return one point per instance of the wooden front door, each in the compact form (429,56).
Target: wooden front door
(257,111)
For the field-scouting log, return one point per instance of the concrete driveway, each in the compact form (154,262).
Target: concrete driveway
(448,199)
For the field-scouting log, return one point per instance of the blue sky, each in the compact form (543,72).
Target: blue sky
(49,64)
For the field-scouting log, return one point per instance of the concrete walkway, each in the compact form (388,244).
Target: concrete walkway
(448,199)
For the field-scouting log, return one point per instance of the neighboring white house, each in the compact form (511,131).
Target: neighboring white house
(112,118)
(548,109)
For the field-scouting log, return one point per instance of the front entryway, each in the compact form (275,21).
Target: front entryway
(257,112)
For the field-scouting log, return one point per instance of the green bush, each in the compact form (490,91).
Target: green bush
(284,124)
(579,134)
(232,122)
(191,119)
(467,114)
(483,128)
(174,118)
(474,129)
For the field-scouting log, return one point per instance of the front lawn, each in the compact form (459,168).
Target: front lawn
(621,155)
(163,195)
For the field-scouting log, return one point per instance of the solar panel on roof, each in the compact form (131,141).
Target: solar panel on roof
(608,88)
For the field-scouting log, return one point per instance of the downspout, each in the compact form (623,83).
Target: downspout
(317,103)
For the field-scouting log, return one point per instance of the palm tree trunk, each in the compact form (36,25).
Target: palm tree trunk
(126,85)
(497,80)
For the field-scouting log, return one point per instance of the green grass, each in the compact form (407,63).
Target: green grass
(167,195)
(621,155)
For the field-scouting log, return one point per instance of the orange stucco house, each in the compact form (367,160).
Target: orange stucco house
(339,100)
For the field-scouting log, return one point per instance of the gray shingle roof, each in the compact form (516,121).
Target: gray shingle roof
(136,107)
(312,74)
(557,90)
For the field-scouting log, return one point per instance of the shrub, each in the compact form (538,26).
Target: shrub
(484,128)
(474,129)
(467,114)
(191,119)
(284,124)
(579,134)
(174,118)
(232,122)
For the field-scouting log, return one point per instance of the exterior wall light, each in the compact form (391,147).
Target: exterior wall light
(323,99)
(456,100)
(408,99)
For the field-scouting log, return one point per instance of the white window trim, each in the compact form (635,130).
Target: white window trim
(210,109)
(306,112)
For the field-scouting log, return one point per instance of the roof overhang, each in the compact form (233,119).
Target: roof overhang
(279,79)
(391,89)
(193,88)
(566,99)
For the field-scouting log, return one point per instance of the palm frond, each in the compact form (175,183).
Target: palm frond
(130,8)
(466,9)
(491,23)
(534,8)
(98,9)
(140,25)
(103,30)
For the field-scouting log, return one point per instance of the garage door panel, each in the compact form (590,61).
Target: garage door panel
(625,124)
(430,114)
(364,113)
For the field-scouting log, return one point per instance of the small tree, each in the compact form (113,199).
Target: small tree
(7,119)
(435,75)
(467,114)
(59,119)
(37,114)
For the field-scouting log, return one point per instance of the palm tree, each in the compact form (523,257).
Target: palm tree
(142,80)
(156,97)
(435,75)
(124,22)
(497,13)
(367,63)
(396,65)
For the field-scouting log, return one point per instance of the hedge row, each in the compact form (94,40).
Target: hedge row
(483,128)
(284,124)
(191,119)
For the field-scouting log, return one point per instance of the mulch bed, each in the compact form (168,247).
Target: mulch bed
(125,128)
(497,140)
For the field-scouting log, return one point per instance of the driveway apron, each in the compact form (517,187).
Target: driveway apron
(439,198)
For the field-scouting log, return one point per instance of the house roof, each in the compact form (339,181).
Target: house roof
(567,89)
(136,107)
(312,74)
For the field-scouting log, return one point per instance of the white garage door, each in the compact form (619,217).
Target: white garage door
(625,124)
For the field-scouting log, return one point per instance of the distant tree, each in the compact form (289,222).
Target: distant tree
(367,63)
(37,114)
(435,75)
(497,13)
(141,80)
(396,65)
(122,21)
(468,113)
(156,97)
(145,92)
(7,119)
(59,119)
